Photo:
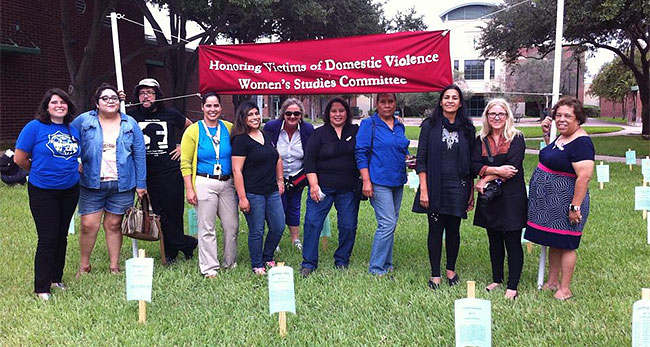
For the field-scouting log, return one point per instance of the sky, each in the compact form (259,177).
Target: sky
(431,11)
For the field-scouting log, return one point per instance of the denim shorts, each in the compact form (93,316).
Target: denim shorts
(107,198)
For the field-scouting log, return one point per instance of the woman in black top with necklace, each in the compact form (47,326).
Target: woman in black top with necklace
(332,173)
(443,166)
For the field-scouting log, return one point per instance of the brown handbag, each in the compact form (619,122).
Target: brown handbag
(140,222)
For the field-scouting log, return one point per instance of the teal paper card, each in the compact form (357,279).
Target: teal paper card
(281,293)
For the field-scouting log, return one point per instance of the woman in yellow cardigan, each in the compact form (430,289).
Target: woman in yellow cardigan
(207,174)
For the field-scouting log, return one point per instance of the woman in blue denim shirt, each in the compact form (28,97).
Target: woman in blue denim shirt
(381,152)
(114,167)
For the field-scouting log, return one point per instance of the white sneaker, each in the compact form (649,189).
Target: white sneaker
(297,244)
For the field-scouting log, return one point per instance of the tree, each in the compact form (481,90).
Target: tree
(406,21)
(613,82)
(621,26)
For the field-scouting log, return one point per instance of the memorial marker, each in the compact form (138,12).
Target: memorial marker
(139,278)
(641,320)
(630,158)
(642,199)
(602,174)
(645,169)
(473,320)
(281,294)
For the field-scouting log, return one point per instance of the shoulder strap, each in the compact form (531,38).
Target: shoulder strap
(487,148)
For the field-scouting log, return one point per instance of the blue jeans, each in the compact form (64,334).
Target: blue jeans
(291,204)
(347,208)
(264,208)
(386,201)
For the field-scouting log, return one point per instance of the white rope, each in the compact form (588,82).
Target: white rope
(121,16)
(169,98)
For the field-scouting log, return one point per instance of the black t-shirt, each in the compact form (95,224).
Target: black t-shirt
(259,166)
(332,159)
(161,130)
(450,148)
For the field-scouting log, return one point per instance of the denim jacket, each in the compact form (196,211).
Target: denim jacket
(130,152)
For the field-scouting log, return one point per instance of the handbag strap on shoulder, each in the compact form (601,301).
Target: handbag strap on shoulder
(487,148)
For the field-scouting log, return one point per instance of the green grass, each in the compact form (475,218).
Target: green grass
(333,307)
(611,120)
(413,132)
(613,145)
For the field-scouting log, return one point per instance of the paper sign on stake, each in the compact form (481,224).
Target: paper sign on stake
(645,169)
(641,320)
(642,198)
(602,174)
(630,158)
(542,145)
(473,322)
(71,227)
(413,180)
(139,278)
(281,291)
(192,221)
(648,219)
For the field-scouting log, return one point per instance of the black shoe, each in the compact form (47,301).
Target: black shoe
(170,261)
(189,251)
(433,285)
(454,280)
(341,266)
(305,272)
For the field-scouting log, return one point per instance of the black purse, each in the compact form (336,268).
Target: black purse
(296,181)
(492,189)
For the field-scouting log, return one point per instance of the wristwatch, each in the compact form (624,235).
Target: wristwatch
(574,208)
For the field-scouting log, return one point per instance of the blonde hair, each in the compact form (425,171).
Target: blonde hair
(509,130)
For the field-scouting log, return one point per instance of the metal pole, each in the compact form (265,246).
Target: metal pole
(557,64)
(120,86)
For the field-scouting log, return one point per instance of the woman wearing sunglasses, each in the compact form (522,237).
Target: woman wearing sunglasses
(114,168)
(289,135)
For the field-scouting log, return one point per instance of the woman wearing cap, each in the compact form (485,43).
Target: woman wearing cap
(290,135)
(53,147)
(162,127)
(114,169)
(207,171)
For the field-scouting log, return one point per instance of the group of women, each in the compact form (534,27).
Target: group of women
(238,166)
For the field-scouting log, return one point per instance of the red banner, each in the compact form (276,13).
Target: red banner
(401,62)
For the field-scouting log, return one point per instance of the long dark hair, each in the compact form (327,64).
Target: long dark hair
(240,126)
(462,119)
(328,108)
(44,116)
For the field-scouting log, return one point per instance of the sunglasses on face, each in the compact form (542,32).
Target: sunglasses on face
(294,113)
(107,98)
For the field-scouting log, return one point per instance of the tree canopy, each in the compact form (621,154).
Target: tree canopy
(621,26)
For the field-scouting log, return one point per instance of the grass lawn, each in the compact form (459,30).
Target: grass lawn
(413,132)
(333,307)
(611,120)
(613,145)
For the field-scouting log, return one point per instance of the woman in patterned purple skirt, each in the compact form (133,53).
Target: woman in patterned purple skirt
(558,204)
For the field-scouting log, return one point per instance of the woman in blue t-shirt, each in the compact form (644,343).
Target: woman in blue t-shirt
(257,170)
(48,148)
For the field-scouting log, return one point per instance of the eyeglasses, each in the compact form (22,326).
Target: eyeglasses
(294,113)
(494,115)
(147,93)
(107,98)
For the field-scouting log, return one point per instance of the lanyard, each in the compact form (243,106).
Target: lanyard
(216,139)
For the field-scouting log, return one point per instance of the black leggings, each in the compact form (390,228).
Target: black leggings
(512,241)
(52,210)
(451,226)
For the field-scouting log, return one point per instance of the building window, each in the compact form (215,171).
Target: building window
(475,105)
(469,12)
(492,62)
(474,69)
(456,65)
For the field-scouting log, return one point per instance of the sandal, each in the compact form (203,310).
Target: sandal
(115,270)
(82,271)
(270,264)
(260,271)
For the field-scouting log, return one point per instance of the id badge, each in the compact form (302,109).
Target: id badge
(216,170)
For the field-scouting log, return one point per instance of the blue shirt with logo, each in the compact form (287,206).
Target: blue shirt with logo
(54,150)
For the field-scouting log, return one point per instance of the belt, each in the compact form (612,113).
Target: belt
(215,177)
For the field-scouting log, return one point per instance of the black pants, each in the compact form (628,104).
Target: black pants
(439,223)
(52,210)
(166,191)
(512,241)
